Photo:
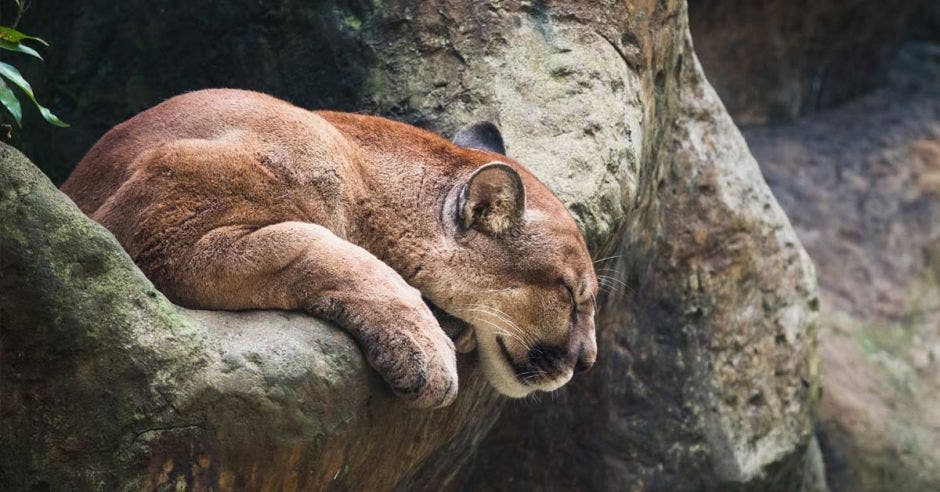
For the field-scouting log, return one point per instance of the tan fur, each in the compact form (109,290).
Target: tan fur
(230,199)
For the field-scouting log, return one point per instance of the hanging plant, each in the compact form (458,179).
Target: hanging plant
(16,41)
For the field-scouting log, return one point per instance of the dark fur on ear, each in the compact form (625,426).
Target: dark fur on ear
(493,200)
(481,135)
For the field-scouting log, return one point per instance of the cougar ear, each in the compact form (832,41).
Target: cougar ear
(493,199)
(481,135)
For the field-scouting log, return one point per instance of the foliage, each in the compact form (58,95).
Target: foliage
(15,41)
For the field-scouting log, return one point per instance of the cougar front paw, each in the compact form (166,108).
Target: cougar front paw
(418,363)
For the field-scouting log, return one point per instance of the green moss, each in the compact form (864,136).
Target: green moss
(889,339)
(378,85)
(352,22)
(897,339)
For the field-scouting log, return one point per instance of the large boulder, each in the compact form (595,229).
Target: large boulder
(862,184)
(707,374)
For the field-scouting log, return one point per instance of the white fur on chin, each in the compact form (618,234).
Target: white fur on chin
(502,376)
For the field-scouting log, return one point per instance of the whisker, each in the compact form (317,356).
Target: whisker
(501,331)
(510,324)
(530,375)
(611,270)
(510,336)
(605,259)
(607,278)
(611,289)
(611,279)
(501,316)
(493,311)
(534,397)
(505,317)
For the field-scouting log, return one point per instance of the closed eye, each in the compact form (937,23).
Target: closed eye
(574,302)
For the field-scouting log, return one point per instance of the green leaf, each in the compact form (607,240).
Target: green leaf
(14,36)
(50,117)
(13,75)
(9,101)
(19,48)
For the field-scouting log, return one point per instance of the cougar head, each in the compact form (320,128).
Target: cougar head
(519,273)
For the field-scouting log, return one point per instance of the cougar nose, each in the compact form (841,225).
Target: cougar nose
(585,361)
(583,365)
(585,349)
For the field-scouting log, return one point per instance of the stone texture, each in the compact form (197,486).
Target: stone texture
(862,184)
(774,60)
(707,376)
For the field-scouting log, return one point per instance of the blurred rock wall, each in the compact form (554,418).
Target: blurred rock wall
(844,108)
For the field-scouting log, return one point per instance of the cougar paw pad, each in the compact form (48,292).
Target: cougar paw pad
(419,371)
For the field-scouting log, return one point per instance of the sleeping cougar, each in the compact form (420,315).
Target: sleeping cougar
(230,199)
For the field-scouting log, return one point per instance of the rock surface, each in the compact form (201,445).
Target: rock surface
(862,185)
(707,374)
